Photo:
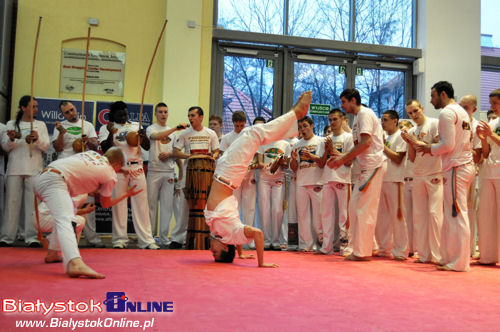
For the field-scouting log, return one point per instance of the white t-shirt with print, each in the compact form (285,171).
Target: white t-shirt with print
(269,153)
(366,122)
(158,146)
(73,132)
(395,172)
(308,171)
(132,153)
(426,164)
(343,144)
(193,142)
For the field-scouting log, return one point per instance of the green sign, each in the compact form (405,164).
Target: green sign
(342,69)
(269,63)
(359,71)
(319,109)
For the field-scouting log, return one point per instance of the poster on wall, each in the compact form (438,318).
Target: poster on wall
(105,72)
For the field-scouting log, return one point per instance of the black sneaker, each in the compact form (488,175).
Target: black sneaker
(5,244)
(35,245)
(175,245)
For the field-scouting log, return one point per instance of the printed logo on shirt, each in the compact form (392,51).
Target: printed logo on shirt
(465,125)
(74,130)
(272,153)
(166,140)
(497,130)
(339,146)
(306,162)
(122,137)
(388,144)
(199,144)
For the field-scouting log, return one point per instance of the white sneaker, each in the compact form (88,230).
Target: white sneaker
(153,246)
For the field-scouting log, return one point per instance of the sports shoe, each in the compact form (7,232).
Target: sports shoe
(175,245)
(35,244)
(153,246)
(119,246)
(5,244)
(399,258)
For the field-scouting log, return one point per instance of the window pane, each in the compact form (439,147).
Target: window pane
(489,82)
(382,90)
(326,83)
(384,22)
(324,19)
(264,16)
(248,86)
(490,31)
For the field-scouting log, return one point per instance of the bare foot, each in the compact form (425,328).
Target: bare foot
(77,268)
(53,256)
(302,106)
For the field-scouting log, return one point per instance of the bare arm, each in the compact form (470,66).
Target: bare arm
(107,201)
(395,157)
(366,140)
(258,237)
(179,154)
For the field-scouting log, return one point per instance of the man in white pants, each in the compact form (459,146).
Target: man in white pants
(114,134)
(161,171)
(469,104)
(305,159)
(369,150)
(197,140)
(336,185)
(65,133)
(455,149)
(68,177)
(488,216)
(221,213)
(271,190)
(427,188)
(391,233)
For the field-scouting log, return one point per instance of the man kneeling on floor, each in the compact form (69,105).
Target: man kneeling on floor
(221,213)
(72,176)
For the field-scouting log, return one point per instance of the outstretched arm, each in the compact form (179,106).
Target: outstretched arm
(107,201)
(258,237)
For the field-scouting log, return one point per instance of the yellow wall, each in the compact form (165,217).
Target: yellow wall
(180,74)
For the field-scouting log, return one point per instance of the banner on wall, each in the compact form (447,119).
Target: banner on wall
(48,112)
(105,72)
(102,110)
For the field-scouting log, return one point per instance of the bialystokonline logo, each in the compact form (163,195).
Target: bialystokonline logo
(114,302)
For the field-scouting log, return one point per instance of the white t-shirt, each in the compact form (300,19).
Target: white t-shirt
(158,146)
(269,153)
(132,153)
(395,172)
(87,172)
(455,137)
(20,162)
(308,171)
(426,164)
(204,141)
(73,131)
(344,144)
(227,139)
(366,122)
(491,166)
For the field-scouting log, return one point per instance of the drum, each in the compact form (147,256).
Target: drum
(199,173)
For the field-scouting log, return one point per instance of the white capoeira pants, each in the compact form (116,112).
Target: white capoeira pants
(472,206)
(333,204)
(52,189)
(161,187)
(428,216)
(408,213)
(390,232)
(140,209)
(363,210)
(271,209)
(488,219)
(90,227)
(233,165)
(181,213)
(246,196)
(308,200)
(455,235)
(19,192)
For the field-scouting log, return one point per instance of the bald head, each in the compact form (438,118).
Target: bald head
(115,157)
(469,103)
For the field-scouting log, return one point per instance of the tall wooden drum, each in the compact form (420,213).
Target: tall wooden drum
(200,169)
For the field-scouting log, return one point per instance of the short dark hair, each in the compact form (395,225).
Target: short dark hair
(197,108)
(63,103)
(239,116)
(227,256)
(326,128)
(308,120)
(392,114)
(337,111)
(259,118)
(444,86)
(495,93)
(160,104)
(115,107)
(351,93)
(216,118)
(23,102)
